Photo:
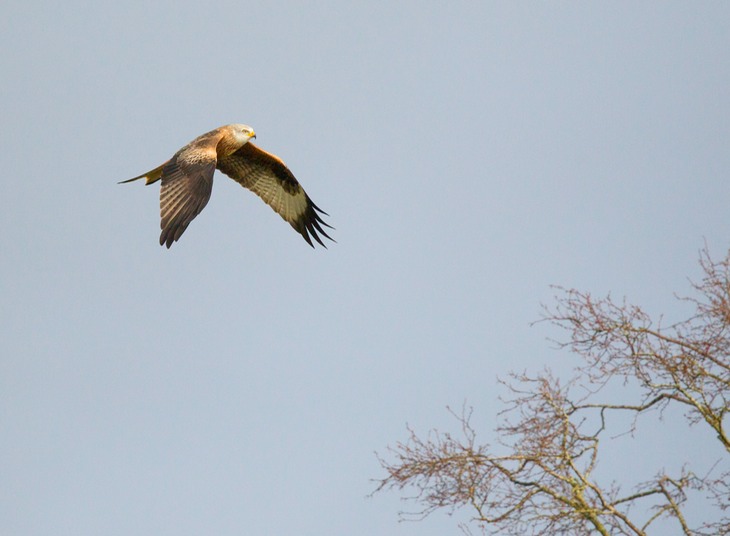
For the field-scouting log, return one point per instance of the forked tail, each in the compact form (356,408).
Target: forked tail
(150,177)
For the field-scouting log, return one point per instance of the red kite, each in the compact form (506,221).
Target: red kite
(187,181)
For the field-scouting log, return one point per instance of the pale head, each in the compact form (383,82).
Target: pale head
(241,133)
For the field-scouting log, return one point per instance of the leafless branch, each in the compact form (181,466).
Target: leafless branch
(539,477)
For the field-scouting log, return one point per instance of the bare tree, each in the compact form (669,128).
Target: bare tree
(539,478)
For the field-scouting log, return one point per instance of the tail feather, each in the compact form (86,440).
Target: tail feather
(150,177)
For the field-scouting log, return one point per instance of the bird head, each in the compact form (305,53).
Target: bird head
(242,133)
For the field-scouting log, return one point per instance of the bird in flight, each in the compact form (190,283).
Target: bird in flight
(187,181)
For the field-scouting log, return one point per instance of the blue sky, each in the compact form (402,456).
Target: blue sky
(470,155)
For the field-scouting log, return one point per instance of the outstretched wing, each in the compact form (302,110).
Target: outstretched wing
(187,180)
(266,175)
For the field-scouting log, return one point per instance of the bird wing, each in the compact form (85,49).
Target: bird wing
(268,177)
(187,180)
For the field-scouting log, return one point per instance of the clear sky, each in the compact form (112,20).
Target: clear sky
(470,154)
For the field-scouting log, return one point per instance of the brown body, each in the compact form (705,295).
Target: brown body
(187,181)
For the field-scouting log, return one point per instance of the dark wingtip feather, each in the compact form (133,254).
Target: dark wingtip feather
(166,239)
(310,226)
